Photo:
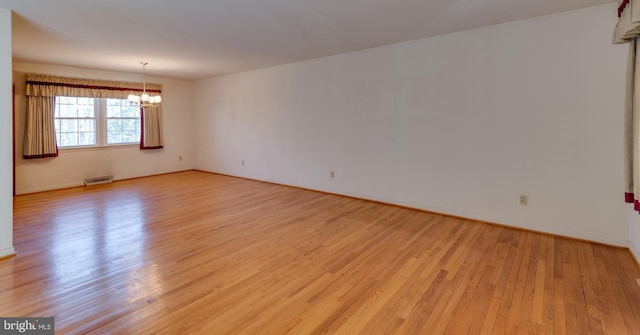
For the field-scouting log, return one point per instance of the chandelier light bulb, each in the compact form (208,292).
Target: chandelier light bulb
(134,98)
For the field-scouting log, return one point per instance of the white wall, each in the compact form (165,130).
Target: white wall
(6,164)
(461,124)
(71,167)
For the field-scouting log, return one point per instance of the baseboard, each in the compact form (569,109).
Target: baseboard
(456,214)
(81,184)
(49,188)
(635,253)
(7,253)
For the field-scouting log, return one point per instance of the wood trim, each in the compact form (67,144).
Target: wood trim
(2,258)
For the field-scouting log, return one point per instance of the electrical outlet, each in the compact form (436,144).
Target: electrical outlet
(180,158)
(333,174)
(523,199)
(243,163)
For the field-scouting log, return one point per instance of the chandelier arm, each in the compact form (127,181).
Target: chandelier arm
(144,77)
(144,100)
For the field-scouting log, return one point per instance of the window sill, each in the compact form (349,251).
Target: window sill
(100,147)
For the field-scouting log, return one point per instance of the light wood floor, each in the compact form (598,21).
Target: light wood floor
(198,253)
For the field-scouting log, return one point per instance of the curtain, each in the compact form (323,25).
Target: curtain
(44,85)
(630,130)
(628,26)
(41,90)
(627,31)
(151,123)
(40,130)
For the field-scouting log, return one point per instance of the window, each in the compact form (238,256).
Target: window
(82,122)
(123,122)
(75,121)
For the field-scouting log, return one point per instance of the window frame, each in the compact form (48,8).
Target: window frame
(105,119)
(100,112)
(77,118)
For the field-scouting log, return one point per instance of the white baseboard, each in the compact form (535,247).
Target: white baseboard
(48,188)
(635,252)
(506,222)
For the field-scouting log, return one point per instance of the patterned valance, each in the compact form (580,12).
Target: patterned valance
(628,26)
(50,86)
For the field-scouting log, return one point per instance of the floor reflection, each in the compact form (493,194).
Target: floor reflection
(93,236)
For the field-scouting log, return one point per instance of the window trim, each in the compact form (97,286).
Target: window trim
(95,147)
(100,112)
(105,120)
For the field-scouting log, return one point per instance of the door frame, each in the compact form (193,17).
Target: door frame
(13,134)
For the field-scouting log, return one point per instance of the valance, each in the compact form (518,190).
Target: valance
(628,26)
(49,86)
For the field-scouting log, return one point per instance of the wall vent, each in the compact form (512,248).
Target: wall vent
(98,180)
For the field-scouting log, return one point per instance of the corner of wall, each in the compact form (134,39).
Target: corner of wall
(7,253)
(635,252)
(633,220)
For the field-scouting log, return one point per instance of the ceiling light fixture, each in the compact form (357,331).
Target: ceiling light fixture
(144,100)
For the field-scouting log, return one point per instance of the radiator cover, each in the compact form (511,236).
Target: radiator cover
(98,180)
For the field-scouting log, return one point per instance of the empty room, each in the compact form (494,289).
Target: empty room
(319,167)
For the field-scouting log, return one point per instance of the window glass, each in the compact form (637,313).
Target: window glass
(75,121)
(123,122)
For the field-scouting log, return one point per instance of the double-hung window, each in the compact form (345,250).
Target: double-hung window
(93,122)
(75,120)
(123,122)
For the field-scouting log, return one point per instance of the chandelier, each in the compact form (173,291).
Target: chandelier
(144,100)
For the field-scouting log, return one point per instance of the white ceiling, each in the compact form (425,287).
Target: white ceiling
(193,39)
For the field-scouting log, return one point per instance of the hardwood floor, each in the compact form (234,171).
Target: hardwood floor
(199,253)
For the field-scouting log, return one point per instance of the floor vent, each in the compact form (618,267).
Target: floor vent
(98,180)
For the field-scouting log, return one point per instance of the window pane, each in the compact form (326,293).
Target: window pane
(114,111)
(129,124)
(85,101)
(68,125)
(114,125)
(114,138)
(86,125)
(66,100)
(75,121)
(67,111)
(68,139)
(87,138)
(86,111)
(130,136)
(130,111)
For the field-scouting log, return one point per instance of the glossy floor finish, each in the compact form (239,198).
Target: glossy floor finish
(199,253)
